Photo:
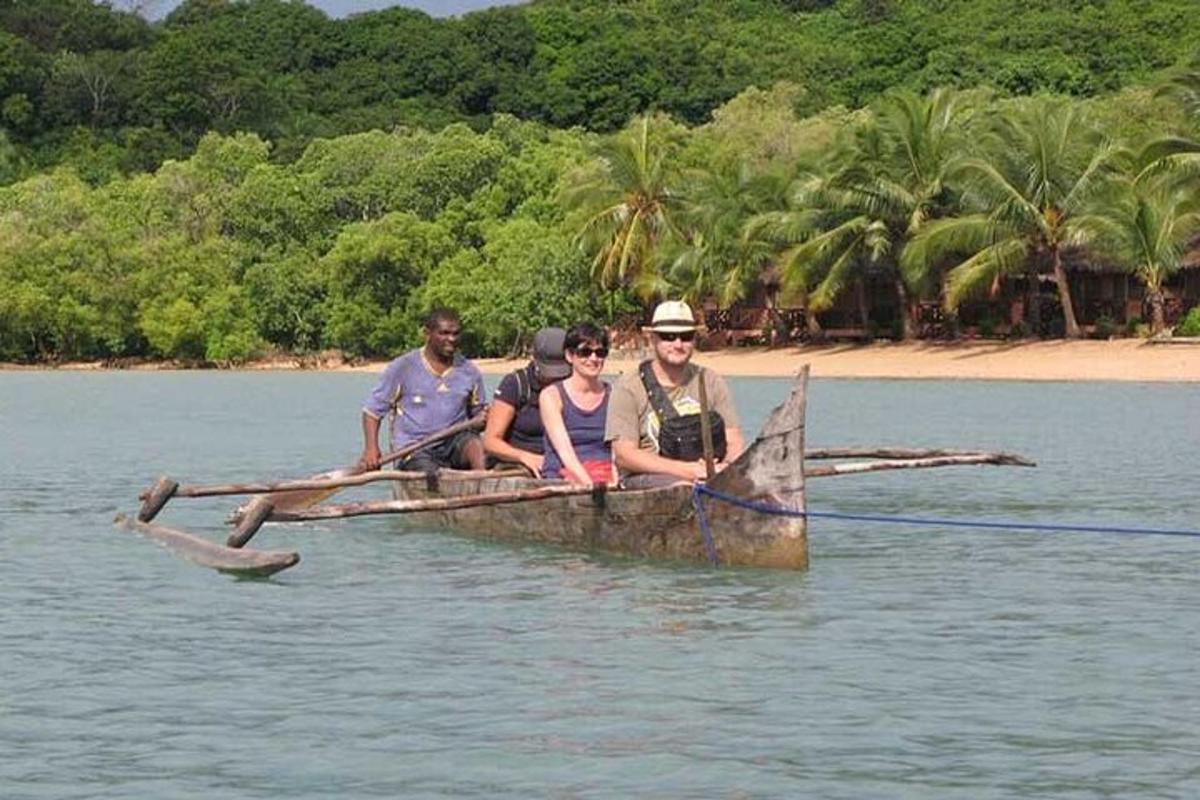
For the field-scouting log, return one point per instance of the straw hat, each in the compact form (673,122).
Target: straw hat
(672,316)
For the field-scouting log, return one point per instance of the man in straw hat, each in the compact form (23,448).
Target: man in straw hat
(654,413)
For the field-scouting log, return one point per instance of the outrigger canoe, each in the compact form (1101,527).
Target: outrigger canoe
(752,513)
(660,523)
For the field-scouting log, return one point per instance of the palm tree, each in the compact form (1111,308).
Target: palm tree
(1147,227)
(884,183)
(1177,155)
(628,204)
(711,258)
(781,236)
(1043,162)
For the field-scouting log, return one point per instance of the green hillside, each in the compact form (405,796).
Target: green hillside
(108,91)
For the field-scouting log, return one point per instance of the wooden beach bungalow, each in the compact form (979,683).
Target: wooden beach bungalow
(1108,300)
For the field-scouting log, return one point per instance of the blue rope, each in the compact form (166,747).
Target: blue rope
(710,546)
(768,508)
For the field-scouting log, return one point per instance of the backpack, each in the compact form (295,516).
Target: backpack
(679,435)
(525,394)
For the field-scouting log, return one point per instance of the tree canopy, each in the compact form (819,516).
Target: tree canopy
(146,92)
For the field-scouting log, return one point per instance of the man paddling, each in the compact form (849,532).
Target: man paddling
(654,414)
(425,391)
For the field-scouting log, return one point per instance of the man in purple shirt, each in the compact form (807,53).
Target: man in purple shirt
(424,391)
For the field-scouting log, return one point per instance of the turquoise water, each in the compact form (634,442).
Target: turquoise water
(908,662)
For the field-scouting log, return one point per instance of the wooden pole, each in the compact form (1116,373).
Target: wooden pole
(916,463)
(218,489)
(320,486)
(706,439)
(907,452)
(433,504)
(154,498)
(256,513)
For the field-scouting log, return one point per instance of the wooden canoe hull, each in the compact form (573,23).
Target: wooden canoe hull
(655,523)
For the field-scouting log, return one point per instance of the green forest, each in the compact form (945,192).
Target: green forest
(249,176)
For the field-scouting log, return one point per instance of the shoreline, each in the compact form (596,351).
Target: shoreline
(1126,360)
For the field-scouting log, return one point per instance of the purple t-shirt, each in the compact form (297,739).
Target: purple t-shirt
(422,401)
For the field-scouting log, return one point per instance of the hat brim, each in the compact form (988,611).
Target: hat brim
(553,370)
(669,328)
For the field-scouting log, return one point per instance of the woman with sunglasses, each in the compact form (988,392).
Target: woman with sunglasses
(574,412)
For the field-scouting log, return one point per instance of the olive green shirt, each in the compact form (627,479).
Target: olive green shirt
(631,418)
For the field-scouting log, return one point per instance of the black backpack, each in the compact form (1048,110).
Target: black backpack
(526,396)
(679,435)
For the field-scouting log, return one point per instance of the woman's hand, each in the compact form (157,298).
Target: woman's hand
(578,477)
(533,462)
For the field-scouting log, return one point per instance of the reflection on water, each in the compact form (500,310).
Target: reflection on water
(908,662)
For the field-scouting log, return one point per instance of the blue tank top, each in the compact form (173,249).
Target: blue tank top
(586,430)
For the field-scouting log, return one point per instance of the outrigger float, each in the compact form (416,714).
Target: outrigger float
(766,527)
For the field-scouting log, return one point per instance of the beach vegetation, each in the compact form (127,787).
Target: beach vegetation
(1190,325)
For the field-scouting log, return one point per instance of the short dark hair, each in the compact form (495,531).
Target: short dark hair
(441,314)
(584,332)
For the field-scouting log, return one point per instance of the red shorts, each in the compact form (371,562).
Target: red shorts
(599,470)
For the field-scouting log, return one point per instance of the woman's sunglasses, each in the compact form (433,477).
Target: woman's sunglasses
(685,336)
(599,352)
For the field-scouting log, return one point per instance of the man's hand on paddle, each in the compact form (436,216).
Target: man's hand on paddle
(369,460)
(700,472)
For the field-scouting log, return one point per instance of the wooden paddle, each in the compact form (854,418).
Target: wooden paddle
(296,493)
(710,469)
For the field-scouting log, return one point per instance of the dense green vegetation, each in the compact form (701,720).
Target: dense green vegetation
(1190,326)
(106,91)
(252,175)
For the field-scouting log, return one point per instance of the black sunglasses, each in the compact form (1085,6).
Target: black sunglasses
(685,336)
(583,351)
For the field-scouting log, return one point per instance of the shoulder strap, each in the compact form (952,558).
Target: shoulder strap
(659,401)
(525,395)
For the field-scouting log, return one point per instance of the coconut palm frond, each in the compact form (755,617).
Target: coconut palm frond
(987,180)
(1178,168)
(783,227)
(885,198)
(877,238)
(1099,168)
(828,246)
(836,277)
(946,238)
(794,273)
(982,269)
(1183,86)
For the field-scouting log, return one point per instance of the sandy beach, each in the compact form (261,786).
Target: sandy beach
(1115,360)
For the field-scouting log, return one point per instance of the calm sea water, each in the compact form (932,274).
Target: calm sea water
(908,662)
